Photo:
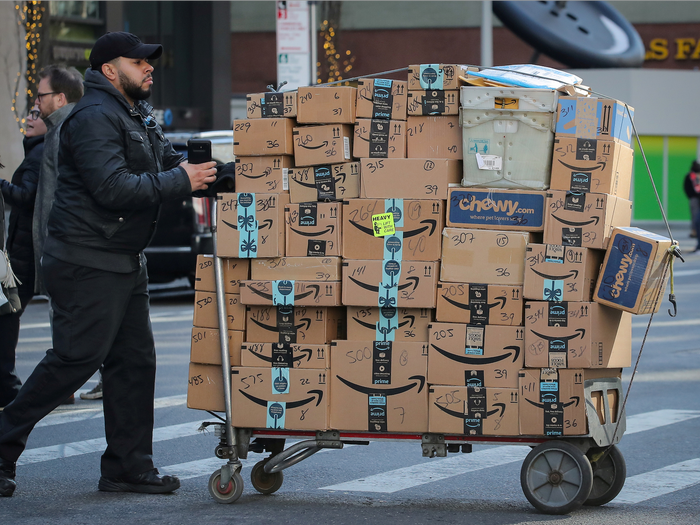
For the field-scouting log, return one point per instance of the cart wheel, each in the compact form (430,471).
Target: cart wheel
(228,494)
(262,481)
(608,476)
(556,477)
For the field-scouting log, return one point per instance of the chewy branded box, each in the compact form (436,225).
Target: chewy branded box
(560,273)
(206,314)
(329,182)
(417,225)
(433,137)
(633,274)
(298,268)
(379,386)
(484,256)
(290,398)
(235,271)
(263,136)
(380,139)
(591,165)
(518,210)
(326,105)
(272,105)
(382,99)
(250,225)
(433,102)
(436,76)
(408,178)
(205,387)
(286,355)
(206,346)
(290,324)
(263,174)
(388,323)
(576,335)
(584,219)
(473,411)
(291,293)
(475,355)
(594,118)
(408,284)
(479,304)
(324,144)
(313,229)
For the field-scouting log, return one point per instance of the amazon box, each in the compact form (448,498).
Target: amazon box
(433,102)
(235,271)
(313,229)
(591,165)
(433,137)
(576,335)
(272,105)
(281,398)
(381,99)
(289,324)
(594,118)
(417,225)
(409,178)
(290,293)
(322,145)
(479,304)
(379,386)
(436,76)
(263,174)
(263,136)
(367,323)
(286,355)
(379,139)
(327,105)
(408,284)
(206,313)
(560,273)
(320,269)
(475,355)
(328,182)
(473,411)
(205,387)
(517,210)
(206,346)
(634,274)
(483,256)
(250,225)
(584,219)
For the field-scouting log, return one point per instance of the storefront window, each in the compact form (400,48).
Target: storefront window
(84,10)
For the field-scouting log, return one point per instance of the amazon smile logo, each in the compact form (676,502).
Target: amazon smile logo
(375,288)
(600,166)
(594,220)
(330,229)
(321,145)
(306,355)
(472,360)
(267,223)
(501,407)
(430,224)
(304,321)
(467,306)
(581,332)
(315,395)
(315,290)
(340,179)
(573,273)
(542,406)
(418,381)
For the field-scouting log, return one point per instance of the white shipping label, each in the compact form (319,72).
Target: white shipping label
(489,162)
(285,179)
(346,147)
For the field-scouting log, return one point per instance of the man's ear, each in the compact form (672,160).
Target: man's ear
(109,71)
(62,100)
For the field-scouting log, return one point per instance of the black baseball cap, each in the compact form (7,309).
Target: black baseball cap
(121,44)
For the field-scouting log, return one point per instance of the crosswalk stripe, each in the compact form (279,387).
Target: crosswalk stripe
(659,482)
(201,467)
(658,418)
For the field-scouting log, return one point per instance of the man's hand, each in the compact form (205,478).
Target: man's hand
(201,175)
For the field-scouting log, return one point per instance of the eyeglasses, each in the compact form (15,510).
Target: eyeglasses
(39,95)
(33,114)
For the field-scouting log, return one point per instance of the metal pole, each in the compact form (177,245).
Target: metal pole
(313,34)
(486,34)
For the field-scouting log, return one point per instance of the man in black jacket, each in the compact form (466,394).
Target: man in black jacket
(115,169)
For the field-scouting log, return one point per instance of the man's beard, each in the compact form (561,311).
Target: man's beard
(132,89)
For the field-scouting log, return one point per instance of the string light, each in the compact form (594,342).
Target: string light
(29,16)
(336,67)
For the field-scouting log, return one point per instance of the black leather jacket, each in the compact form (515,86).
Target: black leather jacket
(115,169)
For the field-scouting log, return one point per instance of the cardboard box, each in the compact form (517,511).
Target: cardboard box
(493,209)
(205,388)
(313,229)
(379,139)
(263,174)
(409,284)
(285,355)
(235,271)
(289,324)
(594,118)
(634,276)
(473,411)
(434,137)
(418,224)
(263,136)
(560,273)
(250,225)
(206,346)
(329,182)
(576,335)
(366,323)
(320,269)
(381,99)
(408,178)
(436,76)
(289,398)
(290,293)
(483,256)
(379,386)
(584,219)
(591,165)
(206,314)
(479,304)
(272,104)
(433,102)
(324,144)
(475,355)
(327,105)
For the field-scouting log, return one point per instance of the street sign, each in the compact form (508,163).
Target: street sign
(293,45)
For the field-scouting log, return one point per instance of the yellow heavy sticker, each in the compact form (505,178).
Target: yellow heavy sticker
(383,224)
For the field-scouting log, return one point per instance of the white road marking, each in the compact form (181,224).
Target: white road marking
(202,467)
(657,419)
(660,481)
(655,322)
(668,376)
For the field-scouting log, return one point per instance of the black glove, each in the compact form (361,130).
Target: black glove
(225,181)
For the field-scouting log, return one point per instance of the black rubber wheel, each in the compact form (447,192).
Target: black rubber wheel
(609,475)
(227,494)
(263,482)
(556,477)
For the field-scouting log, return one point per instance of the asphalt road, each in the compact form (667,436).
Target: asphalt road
(384,483)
